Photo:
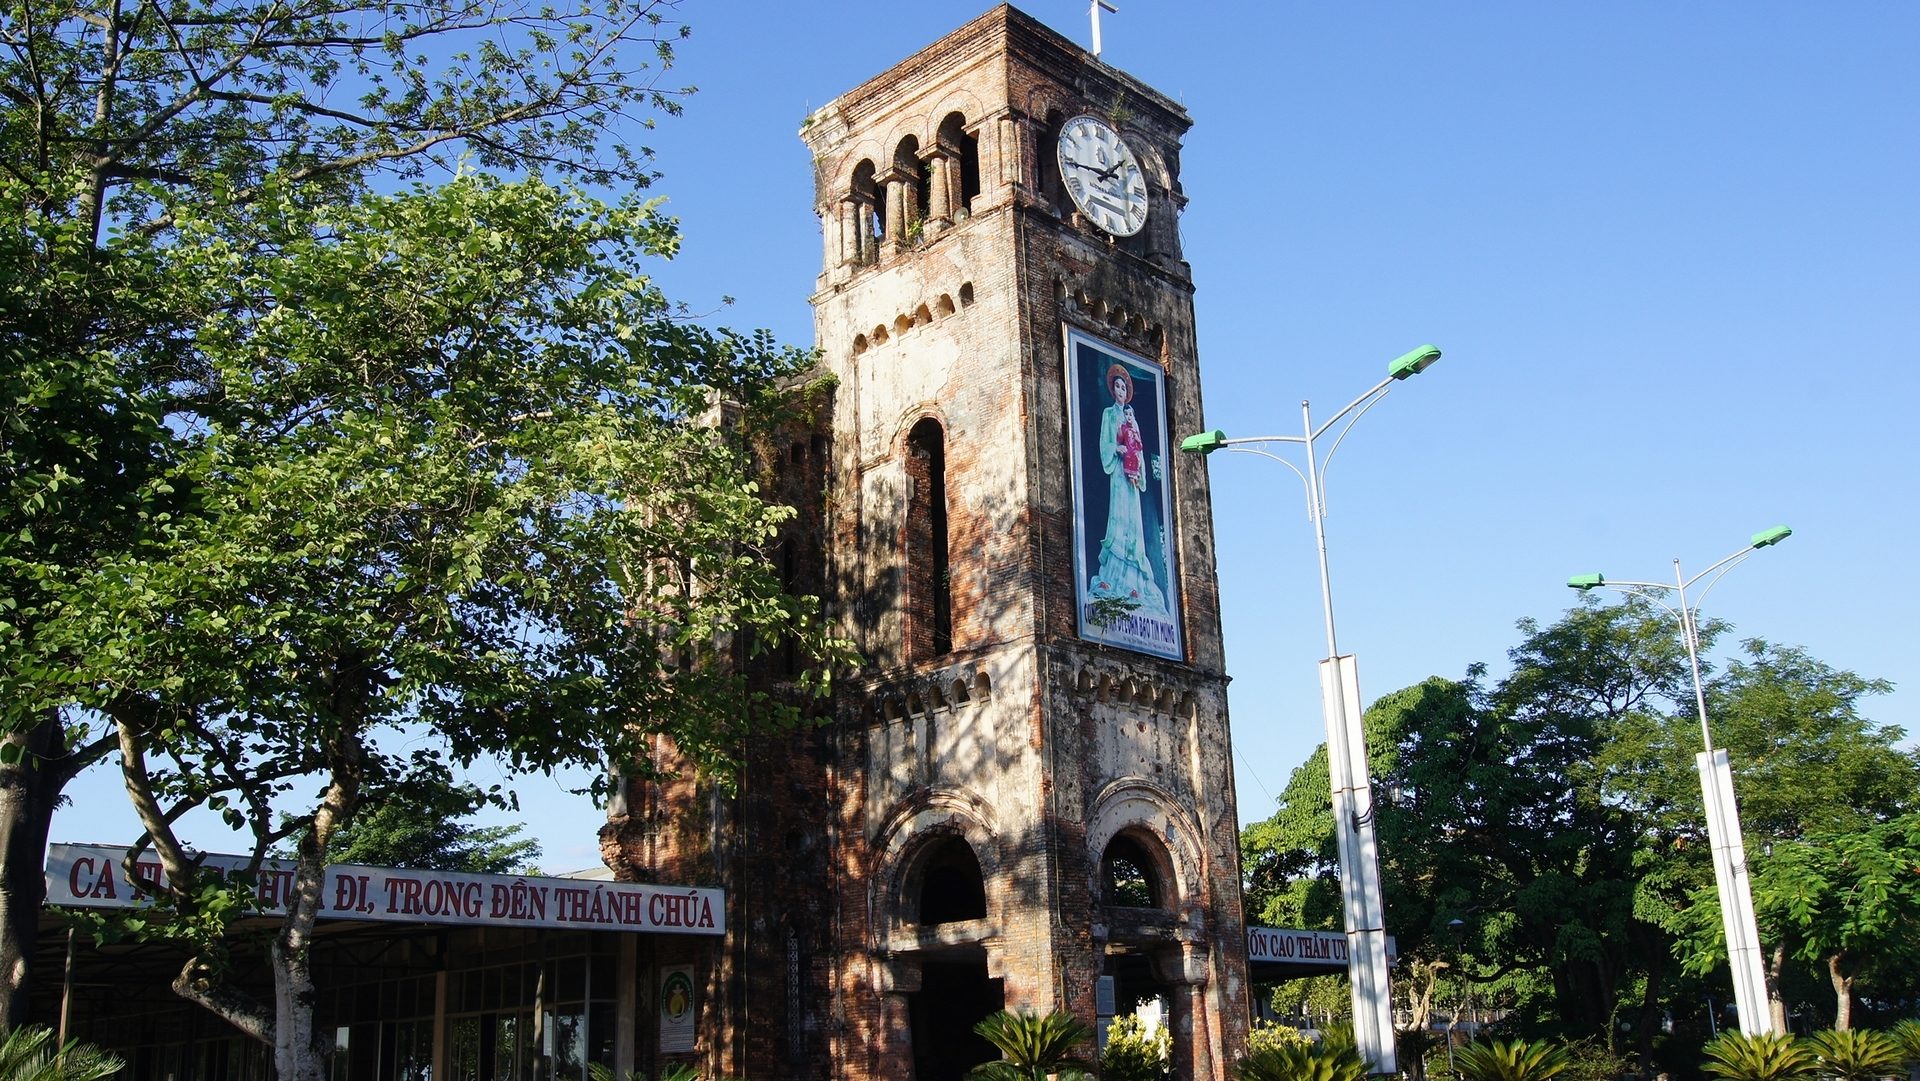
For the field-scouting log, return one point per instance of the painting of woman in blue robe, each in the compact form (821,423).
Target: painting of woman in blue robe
(1123,507)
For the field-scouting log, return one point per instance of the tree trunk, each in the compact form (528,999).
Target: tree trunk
(1648,1024)
(1842,993)
(1776,1003)
(197,985)
(29,788)
(198,982)
(300,1053)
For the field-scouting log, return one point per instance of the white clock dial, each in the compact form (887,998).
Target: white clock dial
(1102,175)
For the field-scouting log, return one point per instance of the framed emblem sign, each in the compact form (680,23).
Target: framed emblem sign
(1123,553)
(676,1009)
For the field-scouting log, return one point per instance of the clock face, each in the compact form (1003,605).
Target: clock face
(1103,176)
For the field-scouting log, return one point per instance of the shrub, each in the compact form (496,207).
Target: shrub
(1134,1054)
(1855,1054)
(1513,1060)
(1034,1046)
(1590,1059)
(1267,1034)
(1301,1062)
(28,1054)
(1735,1056)
(1907,1035)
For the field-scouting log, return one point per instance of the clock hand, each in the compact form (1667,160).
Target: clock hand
(1103,174)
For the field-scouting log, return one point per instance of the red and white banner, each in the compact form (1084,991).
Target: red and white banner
(88,876)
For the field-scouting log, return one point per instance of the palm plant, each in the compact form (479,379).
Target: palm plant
(28,1054)
(1855,1054)
(1907,1035)
(679,1072)
(1032,1046)
(1770,1056)
(1301,1062)
(1514,1060)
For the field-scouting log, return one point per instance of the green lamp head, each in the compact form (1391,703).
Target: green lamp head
(1584,582)
(1771,536)
(1410,364)
(1204,442)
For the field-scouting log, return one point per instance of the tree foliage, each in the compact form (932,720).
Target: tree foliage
(115,111)
(1543,843)
(446,475)
(423,825)
(116,115)
(1847,900)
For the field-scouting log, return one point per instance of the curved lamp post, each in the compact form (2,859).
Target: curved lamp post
(1346,740)
(1716,785)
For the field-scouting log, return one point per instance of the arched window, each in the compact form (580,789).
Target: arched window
(1047,160)
(929,585)
(1130,876)
(869,221)
(951,886)
(963,178)
(906,193)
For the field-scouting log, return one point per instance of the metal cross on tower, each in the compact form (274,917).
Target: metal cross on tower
(1094,8)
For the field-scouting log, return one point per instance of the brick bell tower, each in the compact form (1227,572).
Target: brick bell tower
(1024,800)
(1035,803)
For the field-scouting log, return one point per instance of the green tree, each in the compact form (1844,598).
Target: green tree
(1849,901)
(1503,854)
(421,826)
(1807,761)
(82,461)
(451,480)
(113,115)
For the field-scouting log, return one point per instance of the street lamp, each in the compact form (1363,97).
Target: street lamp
(1346,740)
(1716,786)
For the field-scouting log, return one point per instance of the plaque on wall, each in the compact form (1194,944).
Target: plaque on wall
(1123,553)
(676,1010)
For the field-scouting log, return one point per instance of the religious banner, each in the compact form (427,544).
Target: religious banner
(676,1010)
(1126,587)
(89,876)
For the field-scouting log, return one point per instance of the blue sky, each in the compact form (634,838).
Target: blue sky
(1671,251)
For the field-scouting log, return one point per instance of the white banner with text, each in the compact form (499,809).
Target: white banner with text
(89,876)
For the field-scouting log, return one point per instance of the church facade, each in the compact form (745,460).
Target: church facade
(1024,799)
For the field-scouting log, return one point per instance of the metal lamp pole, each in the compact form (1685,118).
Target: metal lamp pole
(1346,739)
(1716,787)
